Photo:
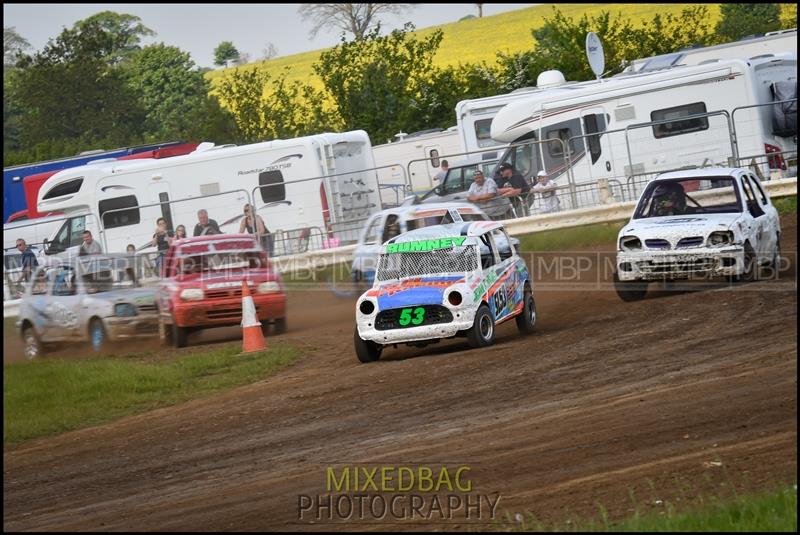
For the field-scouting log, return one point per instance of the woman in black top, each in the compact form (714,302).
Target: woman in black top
(162,239)
(252,223)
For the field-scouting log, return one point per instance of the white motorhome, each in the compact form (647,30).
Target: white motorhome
(646,124)
(474,116)
(749,47)
(119,202)
(430,145)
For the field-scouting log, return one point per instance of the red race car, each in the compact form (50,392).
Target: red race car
(202,286)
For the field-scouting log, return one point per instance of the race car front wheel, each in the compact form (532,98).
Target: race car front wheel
(366,350)
(630,291)
(481,334)
(33,347)
(526,321)
(98,336)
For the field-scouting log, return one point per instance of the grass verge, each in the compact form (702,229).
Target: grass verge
(767,511)
(786,205)
(48,397)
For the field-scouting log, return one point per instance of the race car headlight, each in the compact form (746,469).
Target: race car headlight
(270,287)
(124,310)
(455,298)
(366,307)
(192,294)
(630,243)
(720,238)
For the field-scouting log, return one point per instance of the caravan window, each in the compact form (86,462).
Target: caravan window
(434,158)
(483,129)
(563,132)
(65,188)
(122,217)
(272,186)
(678,124)
(592,124)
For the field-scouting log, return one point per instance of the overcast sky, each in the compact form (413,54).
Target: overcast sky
(199,28)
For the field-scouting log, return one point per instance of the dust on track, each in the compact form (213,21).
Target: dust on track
(605,399)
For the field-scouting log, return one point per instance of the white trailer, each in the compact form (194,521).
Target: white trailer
(430,145)
(646,125)
(316,183)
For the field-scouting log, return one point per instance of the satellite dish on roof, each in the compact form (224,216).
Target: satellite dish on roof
(594,53)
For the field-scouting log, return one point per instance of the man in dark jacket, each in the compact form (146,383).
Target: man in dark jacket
(515,187)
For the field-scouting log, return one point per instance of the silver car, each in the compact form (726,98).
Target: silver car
(92,299)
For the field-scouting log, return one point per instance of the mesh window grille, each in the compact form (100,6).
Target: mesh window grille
(401,265)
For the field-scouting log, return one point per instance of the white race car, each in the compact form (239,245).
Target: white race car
(443,281)
(710,222)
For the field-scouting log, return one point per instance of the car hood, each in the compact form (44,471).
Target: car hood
(412,292)
(213,279)
(678,226)
(137,296)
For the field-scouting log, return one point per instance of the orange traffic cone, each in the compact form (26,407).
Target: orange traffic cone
(253,339)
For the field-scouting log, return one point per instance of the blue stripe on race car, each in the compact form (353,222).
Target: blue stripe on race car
(414,294)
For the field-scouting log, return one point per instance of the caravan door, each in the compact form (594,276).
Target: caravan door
(599,158)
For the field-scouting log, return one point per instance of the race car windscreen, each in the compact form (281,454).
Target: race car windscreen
(444,219)
(460,259)
(689,196)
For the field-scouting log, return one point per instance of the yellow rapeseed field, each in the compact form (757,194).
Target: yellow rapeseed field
(478,39)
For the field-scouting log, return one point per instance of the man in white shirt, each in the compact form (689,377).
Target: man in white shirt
(483,192)
(89,245)
(546,188)
(438,177)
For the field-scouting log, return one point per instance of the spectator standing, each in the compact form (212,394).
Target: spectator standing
(483,192)
(162,239)
(180,232)
(28,261)
(439,177)
(205,225)
(546,188)
(253,223)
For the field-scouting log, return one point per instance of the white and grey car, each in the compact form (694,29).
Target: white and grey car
(709,222)
(92,299)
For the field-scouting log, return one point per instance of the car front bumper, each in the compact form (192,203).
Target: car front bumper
(221,312)
(462,319)
(672,264)
(126,328)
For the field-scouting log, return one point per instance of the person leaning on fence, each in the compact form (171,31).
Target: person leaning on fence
(516,188)
(205,225)
(89,245)
(253,222)
(546,188)
(483,192)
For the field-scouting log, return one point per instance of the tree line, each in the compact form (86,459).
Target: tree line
(95,86)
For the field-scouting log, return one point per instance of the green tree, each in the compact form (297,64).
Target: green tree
(376,82)
(740,20)
(127,32)
(266,108)
(69,92)
(13,45)
(224,53)
(169,87)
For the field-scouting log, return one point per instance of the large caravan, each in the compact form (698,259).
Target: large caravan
(423,151)
(655,121)
(474,117)
(314,184)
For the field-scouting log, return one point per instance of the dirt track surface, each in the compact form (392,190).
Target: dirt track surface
(605,399)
